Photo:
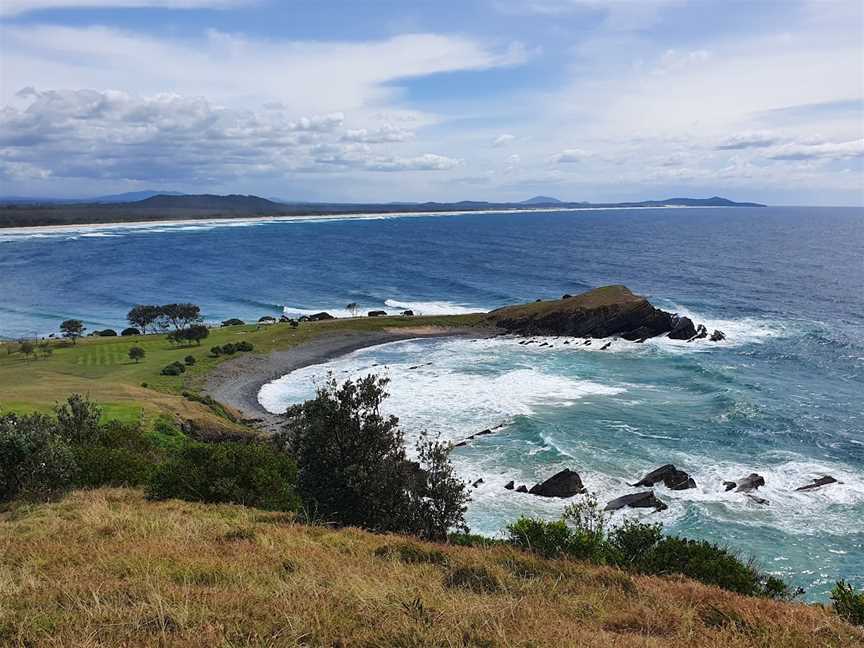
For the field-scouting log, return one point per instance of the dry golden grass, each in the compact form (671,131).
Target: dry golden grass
(107,568)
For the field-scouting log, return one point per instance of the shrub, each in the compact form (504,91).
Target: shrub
(244,346)
(475,578)
(229,349)
(167,434)
(216,350)
(35,461)
(352,465)
(549,539)
(233,322)
(174,369)
(587,523)
(106,333)
(103,465)
(702,561)
(130,331)
(848,603)
(189,360)
(78,419)
(631,541)
(251,474)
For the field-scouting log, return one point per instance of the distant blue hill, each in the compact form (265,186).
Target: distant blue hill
(132,196)
(540,200)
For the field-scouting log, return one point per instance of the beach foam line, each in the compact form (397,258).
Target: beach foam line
(391,306)
(24,232)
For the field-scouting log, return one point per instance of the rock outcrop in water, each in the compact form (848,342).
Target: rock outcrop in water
(566,483)
(749,483)
(646,499)
(818,483)
(671,477)
(599,313)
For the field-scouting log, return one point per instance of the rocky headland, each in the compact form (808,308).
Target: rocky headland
(610,311)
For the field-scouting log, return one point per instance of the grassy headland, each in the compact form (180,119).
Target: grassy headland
(107,567)
(100,368)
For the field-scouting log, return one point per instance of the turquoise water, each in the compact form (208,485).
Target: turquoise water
(783,396)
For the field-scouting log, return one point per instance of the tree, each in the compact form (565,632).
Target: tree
(196,333)
(45,348)
(78,419)
(439,497)
(353,307)
(181,315)
(72,329)
(137,354)
(144,316)
(352,467)
(35,462)
(27,348)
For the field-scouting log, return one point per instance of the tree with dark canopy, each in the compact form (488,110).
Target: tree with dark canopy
(180,316)
(144,316)
(72,329)
(352,467)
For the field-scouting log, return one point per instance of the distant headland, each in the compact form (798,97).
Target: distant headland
(138,207)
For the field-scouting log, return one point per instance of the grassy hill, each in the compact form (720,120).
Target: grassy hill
(100,368)
(107,567)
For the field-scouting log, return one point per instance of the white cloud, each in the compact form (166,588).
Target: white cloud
(381,135)
(425,162)
(822,151)
(571,155)
(503,140)
(748,140)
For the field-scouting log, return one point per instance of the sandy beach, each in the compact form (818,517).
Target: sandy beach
(236,383)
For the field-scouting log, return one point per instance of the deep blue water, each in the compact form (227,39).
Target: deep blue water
(783,397)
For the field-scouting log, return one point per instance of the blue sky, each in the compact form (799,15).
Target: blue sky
(376,101)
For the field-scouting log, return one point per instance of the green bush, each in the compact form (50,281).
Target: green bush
(252,474)
(233,322)
(167,434)
(189,360)
(244,346)
(35,461)
(848,603)
(216,350)
(229,349)
(174,369)
(549,539)
(78,419)
(629,543)
(702,561)
(408,552)
(121,455)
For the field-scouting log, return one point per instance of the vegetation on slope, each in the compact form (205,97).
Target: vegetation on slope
(107,567)
(132,390)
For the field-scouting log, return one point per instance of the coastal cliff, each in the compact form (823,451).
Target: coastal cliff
(599,313)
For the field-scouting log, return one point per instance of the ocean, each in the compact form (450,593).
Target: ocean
(782,396)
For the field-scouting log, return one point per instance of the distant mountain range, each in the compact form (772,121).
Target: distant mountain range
(148,205)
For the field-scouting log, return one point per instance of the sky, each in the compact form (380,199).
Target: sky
(379,100)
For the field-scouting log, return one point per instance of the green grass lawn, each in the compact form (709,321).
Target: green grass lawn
(100,368)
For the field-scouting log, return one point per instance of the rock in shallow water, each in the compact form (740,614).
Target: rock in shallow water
(671,477)
(818,483)
(566,483)
(749,483)
(646,499)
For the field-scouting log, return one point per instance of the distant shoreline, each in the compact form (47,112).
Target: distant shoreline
(236,383)
(136,224)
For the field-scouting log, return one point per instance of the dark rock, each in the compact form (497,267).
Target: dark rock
(566,296)
(718,336)
(701,332)
(599,313)
(477,483)
(757,499)
(682,328)
(377,313)
(522,489)
(605,346)
(320,317)
(566,483)
(586,343)
(566,341)
(509,485)
(482,432)
(818,483)
(645,499)
(749,483)
(671,477)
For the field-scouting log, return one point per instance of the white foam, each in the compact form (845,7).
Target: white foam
(391,307)
(435,387)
